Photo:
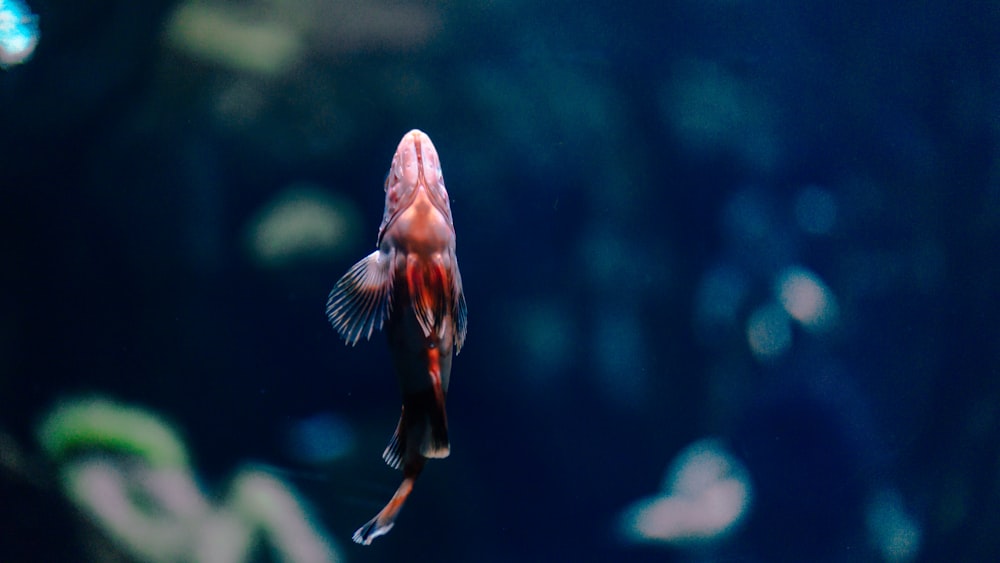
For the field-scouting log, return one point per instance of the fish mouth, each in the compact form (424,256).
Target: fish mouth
(437,197)
(422,184)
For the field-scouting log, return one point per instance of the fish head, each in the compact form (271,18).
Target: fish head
(415,169)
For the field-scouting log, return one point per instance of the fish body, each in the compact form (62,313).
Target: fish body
(411,285)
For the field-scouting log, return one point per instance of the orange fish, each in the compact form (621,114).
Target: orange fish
(412,285)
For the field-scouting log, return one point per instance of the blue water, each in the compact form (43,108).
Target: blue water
(769,225)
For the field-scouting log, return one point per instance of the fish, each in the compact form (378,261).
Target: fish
(411,286)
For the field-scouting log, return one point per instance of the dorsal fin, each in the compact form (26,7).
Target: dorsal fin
(360,302)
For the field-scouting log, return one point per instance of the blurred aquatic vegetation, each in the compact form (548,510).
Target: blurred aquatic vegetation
(97,424)
(251,55)
(128,471)
(302,223)
(235,37)
(339,27)
(270,37)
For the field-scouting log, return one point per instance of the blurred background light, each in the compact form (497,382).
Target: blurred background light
(18,33)
(769,332)
(806,298)
(706,493)
(894,532)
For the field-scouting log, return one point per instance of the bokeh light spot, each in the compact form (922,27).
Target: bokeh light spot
(769,332)
(895,534)
(706,494)
(18,33)
(806,298)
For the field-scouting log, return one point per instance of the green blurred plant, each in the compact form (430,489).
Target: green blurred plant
(129,472)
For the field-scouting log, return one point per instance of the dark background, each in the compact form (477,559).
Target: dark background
(603,160)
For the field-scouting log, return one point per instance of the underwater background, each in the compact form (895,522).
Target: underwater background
(731,270)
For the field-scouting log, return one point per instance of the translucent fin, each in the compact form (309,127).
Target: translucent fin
(386,518)
(360,302)
(426,423)
(393,454)
(460,309)
(436,444)
(371,530)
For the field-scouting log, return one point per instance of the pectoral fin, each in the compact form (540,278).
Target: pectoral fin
(360,302)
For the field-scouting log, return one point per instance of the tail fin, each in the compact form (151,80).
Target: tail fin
(435,443)
(393,454)
(386,518)
(425,424)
